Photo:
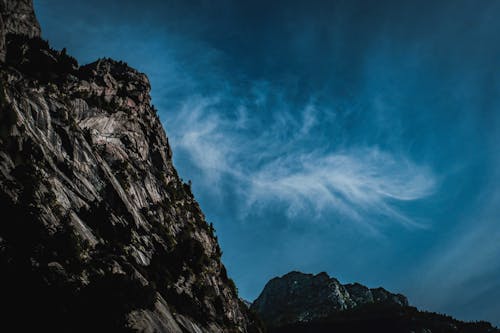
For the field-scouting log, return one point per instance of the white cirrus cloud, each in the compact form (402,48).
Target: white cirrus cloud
(355,183)
(268,164)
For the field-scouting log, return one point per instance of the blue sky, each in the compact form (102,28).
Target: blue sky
(360,138)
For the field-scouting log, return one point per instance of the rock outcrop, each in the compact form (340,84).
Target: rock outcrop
(298,297)
(306,303)
(17,17)
(98,232)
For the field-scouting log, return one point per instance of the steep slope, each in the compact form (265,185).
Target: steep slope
(98,232)
(17,17)
(306,303)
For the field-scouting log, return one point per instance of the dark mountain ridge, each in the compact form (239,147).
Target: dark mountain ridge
(307,303)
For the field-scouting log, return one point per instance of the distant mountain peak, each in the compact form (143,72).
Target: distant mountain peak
(302,297)
(302,303)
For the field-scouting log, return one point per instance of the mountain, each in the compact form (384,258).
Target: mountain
(98,232)
(297,297)
(307,303)
(17,17)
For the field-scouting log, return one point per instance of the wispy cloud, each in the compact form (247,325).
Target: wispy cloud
(283,161)
(199,133)
(355,182)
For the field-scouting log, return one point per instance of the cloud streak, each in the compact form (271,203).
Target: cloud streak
(356,183)
(270,165)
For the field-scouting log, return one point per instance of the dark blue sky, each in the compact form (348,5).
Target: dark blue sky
(359,138)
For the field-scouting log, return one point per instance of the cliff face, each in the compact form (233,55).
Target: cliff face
(17,17)
(298,297)
(97,232)
(305,303)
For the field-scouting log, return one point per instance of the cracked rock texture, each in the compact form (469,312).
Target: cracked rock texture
(98,232)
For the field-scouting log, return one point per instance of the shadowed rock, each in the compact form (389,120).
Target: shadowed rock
(17,17)
(98,232)
(306,303)
(298,297)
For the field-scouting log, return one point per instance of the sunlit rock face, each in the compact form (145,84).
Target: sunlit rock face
(298,297)
(98,232)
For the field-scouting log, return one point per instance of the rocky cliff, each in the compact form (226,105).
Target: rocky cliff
(98,232)
(17,17)
(298,297)
(306,303)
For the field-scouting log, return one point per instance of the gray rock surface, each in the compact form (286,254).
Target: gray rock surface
(297,297)
(98,232)
(17,17)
